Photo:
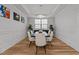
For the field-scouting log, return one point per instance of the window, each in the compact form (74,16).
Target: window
(40,23)
(37,23)
(44,23)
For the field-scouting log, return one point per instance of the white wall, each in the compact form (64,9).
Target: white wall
(67,25)
(32,21)
(11,31)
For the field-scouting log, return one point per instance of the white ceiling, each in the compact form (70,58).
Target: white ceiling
(43,9)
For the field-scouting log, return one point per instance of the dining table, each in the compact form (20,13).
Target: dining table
(46,35)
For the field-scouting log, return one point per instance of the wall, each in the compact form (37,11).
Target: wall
(11,31)
(32,21)
(67,25)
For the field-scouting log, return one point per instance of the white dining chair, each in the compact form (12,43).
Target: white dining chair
(49,32)
(49,39)
(32,32)
(45,33)
(40,41)
(31,39)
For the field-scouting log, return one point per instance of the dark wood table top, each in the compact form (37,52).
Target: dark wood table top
(45,36)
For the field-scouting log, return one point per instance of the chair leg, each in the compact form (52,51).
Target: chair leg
(30,43)
(36,49)
(45,49)
(51,43)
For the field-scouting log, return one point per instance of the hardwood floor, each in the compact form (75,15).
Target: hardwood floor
(58,48)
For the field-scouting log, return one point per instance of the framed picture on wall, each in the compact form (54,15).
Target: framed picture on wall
(16,16)
(22,19)
(7,13)
(4,11)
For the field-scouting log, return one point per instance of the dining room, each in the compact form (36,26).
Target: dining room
(39,29)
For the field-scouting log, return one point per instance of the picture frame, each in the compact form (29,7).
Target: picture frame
(22,19)
(16,16)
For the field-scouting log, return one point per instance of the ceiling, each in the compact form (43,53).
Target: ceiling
(40,9)
(48,10)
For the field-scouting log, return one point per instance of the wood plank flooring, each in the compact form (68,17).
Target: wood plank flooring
(58,48)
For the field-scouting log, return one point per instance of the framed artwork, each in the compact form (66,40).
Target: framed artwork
(22,19)
(16,16)
(4,11)
(7,13)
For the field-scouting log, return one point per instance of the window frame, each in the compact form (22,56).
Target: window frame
(41,23)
